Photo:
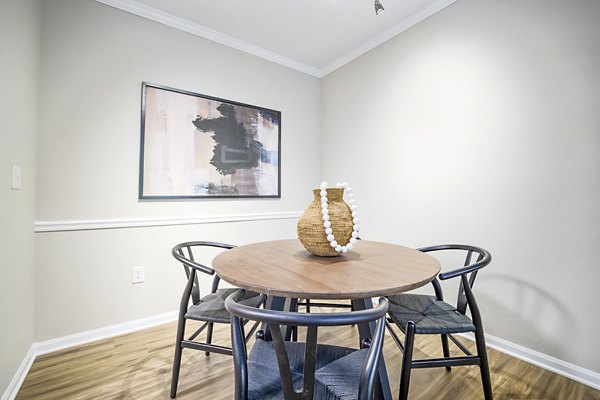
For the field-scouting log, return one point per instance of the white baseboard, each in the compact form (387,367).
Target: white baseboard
(15,384)
(560,367)
(571,371)
(78,339)
(93,335)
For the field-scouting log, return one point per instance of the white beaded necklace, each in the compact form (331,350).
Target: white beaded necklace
(327,224)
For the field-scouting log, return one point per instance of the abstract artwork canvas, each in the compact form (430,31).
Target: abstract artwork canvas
(197,146)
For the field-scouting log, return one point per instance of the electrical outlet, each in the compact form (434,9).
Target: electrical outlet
(138,274)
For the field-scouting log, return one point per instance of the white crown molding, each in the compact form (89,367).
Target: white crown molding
(383,37)
(153,14)
(84,225)
(164,18)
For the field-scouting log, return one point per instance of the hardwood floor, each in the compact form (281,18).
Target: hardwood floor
(138,366)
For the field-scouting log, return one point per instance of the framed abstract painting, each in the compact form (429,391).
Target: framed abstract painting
(197,146)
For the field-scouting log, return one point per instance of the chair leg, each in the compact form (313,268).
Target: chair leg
(409,342)
(446,349)
(484,365)
(209,334)
(177,356)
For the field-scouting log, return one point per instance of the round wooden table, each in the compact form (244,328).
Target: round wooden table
(284,268)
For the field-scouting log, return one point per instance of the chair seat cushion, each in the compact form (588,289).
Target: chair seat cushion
(211,308)
(341,378)
(429,314)
(337,374)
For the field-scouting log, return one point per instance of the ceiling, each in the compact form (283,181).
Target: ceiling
(312,36)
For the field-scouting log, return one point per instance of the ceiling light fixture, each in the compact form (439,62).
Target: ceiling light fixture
(378,7)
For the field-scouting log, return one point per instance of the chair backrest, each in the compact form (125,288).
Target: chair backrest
(475,258)
(275,319)
(184,253)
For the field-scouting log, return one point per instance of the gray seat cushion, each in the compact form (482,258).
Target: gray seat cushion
(337,372)
(341,378)
(211,308)
(428,313)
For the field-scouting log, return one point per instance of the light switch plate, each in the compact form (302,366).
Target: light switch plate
(16,177)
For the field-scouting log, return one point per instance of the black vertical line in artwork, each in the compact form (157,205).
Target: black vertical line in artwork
(142,130)
(279,158)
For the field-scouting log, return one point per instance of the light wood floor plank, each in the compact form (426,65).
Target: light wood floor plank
(138,366)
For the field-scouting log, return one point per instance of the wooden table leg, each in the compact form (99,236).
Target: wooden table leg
(366,332)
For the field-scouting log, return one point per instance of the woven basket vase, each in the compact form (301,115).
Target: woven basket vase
(311,231)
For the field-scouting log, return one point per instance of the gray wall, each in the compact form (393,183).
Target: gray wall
(94,59)
(19,80)
(481,125)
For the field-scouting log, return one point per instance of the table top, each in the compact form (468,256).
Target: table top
(284,268)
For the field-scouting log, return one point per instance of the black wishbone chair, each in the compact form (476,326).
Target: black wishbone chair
(280,369)
(421,314)
(209,309)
